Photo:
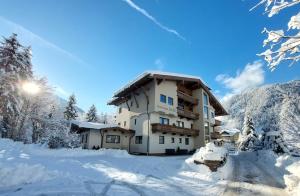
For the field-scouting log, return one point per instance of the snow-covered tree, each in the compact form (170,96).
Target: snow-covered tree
(249,139)
(71,113)
(283,45)
(15,67)
(272,137)
(91,115)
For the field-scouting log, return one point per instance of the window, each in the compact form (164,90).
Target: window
(172,140)
(82,138)
(205,111)
(124,123)
(170,100)
(161,139)
(205,99)
(180,124)
(163,98)
(119,123)
(180,140)
(164,121)
(113,139)
(192,126)
(86,138)
(138,139)
(212,114)
(134,121)
(120,110)
(206,128)
(187,141)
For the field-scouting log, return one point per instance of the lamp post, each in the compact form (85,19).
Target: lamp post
(30,88)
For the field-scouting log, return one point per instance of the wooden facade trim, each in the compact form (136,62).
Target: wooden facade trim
(187,114)
(187,98)
(157,127)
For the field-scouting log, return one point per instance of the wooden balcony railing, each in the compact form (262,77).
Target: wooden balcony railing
(187,114)
(186,97)
(157,127)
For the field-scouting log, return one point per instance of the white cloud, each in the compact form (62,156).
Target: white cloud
(251,76)
(153,19)
(32,37)
(160,65)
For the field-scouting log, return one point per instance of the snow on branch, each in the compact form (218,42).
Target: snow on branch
(282,45)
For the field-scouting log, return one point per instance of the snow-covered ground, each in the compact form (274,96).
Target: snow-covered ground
(264,173)
(35,170)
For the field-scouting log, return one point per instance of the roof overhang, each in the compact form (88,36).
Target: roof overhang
(124,93)
(80,129)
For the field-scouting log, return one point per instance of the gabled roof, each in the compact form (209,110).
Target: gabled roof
(84,126)
(122,94)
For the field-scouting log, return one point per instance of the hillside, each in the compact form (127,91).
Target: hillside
(273,107)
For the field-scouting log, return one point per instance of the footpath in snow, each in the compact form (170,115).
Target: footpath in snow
(37,170)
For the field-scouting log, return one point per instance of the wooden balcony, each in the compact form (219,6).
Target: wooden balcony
(217,123)
(184,90)
(157,127)
(186,97)
(187,114)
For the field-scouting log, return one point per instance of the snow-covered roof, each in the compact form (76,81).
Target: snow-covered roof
(121,95)
(230,132)
(152,73)
(93,125)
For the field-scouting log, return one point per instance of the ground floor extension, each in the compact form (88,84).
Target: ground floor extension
(96,136)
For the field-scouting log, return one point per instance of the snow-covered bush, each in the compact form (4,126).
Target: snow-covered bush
(210,152)
(56,142)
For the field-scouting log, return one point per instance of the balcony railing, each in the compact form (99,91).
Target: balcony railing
(186,97)
(157,127)
(187,114)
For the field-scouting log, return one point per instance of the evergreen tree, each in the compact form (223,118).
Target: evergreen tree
(71,113)
(249,139)
(91,116)
(15,66)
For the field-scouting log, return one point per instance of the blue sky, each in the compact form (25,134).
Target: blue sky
(92,48)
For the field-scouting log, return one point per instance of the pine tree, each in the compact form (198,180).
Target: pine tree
(249,139)
(91,116)
(71,113)
(248,125)
(15,67)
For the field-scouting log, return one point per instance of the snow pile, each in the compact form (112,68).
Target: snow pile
(293,180)
(24,174)
(288,167)
(210,152)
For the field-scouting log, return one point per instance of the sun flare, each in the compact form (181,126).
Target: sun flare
(30,87)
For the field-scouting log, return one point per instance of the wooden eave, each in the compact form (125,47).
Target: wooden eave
(194,83)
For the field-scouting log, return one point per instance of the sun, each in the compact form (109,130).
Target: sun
(30,87)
